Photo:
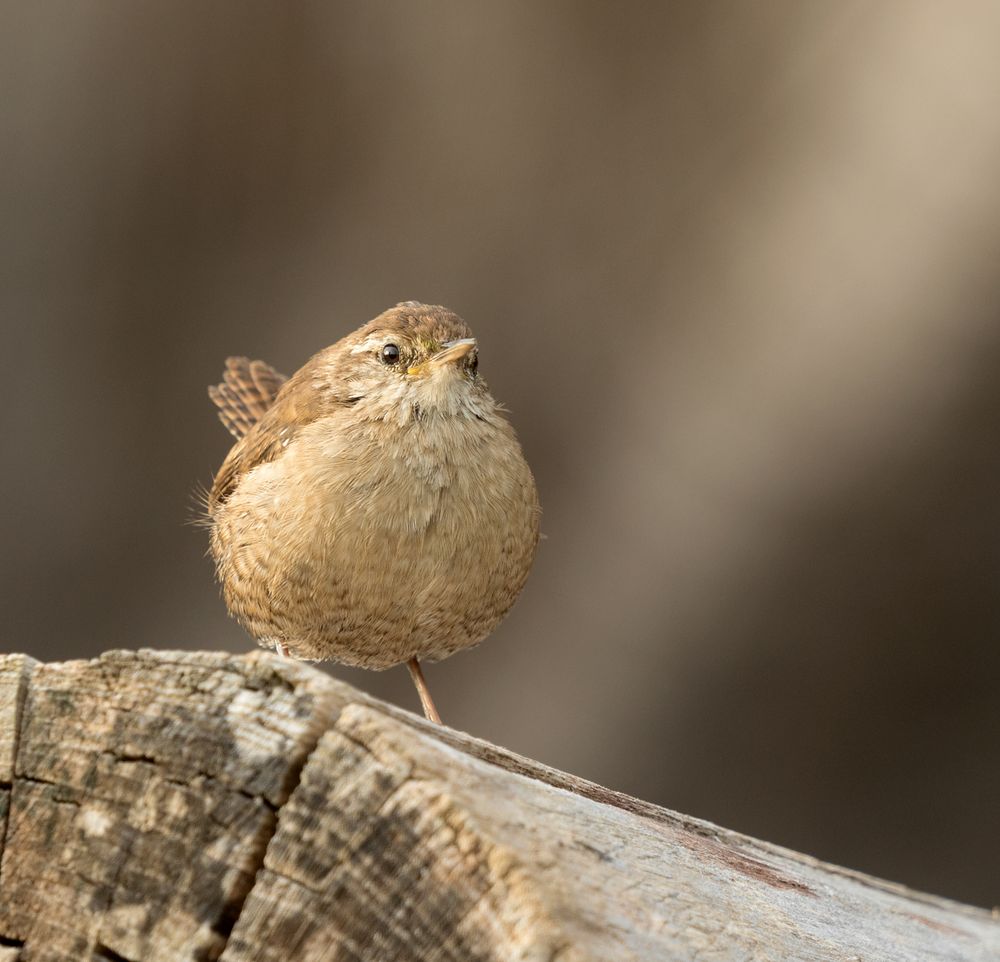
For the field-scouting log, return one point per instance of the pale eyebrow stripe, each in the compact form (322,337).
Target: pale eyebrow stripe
(374,341)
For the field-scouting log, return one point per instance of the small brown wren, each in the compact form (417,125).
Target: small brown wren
(376,507)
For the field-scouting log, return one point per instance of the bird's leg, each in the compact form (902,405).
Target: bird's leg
(282,649)
(425,696)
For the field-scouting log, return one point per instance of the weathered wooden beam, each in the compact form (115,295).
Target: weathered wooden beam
(162,806)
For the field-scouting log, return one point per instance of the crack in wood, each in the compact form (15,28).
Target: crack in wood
(106,954)
(23,666)
(233,908)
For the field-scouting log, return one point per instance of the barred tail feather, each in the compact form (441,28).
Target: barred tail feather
(247,390)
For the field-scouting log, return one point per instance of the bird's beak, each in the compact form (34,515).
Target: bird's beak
(454,351)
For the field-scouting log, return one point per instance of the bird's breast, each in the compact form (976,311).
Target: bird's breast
(406,478)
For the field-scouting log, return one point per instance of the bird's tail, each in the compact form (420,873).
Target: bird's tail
(247,390)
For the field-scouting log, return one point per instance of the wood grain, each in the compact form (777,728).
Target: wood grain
(179,806)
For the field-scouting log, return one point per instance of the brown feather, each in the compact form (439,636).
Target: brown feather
(247,390)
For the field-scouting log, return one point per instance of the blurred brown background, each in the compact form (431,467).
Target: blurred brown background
(735,270)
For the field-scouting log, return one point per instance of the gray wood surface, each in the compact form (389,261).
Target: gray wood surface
(163,806)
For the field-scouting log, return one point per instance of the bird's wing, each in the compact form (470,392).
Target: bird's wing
(296,402)
(247,390)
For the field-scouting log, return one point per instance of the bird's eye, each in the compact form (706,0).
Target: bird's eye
(474,363)
(390,354)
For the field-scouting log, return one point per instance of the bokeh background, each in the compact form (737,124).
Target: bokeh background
(735,270)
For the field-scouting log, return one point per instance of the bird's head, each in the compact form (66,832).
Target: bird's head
(413,361)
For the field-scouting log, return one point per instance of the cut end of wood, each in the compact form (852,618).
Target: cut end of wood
(199,806)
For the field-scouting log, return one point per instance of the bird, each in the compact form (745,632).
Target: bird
(376,507)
